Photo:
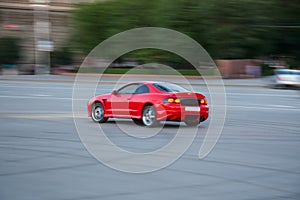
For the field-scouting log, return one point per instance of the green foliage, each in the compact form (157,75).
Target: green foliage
(226,29)
(267,70)
(9,50)
(61,57)
(158,56)
(184,72)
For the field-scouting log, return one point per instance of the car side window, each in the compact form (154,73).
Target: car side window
(142,89)
(129,89)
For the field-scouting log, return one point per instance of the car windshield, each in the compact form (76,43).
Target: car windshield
(169,87)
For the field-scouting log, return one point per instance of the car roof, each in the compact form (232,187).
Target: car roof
(144,82)
(287,71)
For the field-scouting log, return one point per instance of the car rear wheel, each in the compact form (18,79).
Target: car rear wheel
(98,113)
(149,116)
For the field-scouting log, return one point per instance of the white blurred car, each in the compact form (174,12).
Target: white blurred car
(287,77)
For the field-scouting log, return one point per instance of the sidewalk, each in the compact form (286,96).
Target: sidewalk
(113,78)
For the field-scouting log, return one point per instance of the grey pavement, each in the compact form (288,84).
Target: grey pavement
(42,156)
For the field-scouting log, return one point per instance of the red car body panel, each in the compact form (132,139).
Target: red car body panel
(131,105)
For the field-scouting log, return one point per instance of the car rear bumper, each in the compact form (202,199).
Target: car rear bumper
(180,113)
(290,83)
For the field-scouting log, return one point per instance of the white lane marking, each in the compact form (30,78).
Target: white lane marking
(253,107)
(39,87)
(33,115)
(260,94)
(281,106)
(263,107)
(40,97)
(267,105)
(54,88)
(108,90)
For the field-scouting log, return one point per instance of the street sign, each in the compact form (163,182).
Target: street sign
(45,45)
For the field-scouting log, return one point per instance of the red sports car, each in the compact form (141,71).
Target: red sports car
(147,103)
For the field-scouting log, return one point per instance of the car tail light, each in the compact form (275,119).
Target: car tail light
(280,78)
(172,100)
(203,101)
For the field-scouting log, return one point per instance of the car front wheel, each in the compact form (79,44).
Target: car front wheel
(98,113)
(149,116)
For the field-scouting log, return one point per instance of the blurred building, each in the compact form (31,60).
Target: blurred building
(239,68)
(42,26)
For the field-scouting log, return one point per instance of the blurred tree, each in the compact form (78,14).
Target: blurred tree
(286,28)
(61,57)
(235,30)
(226,29)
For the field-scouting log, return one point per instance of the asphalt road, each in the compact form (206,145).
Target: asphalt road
(42,157)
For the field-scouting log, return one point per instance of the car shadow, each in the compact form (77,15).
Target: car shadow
(167,124)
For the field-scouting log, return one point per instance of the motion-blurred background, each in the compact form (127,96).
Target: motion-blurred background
(245,38)
(41,154)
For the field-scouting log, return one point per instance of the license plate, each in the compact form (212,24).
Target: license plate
(195,109)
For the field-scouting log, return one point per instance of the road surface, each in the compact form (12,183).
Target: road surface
(42,157)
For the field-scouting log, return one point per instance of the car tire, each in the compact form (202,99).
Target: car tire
(98,113)
(149,116)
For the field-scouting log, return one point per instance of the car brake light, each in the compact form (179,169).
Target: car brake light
(172,100)
(280,78)
(204,101)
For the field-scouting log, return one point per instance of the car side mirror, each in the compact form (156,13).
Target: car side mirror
(114,92)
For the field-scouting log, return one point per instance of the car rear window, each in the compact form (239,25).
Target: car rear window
(169,87)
